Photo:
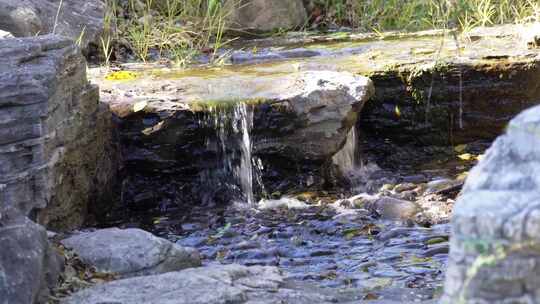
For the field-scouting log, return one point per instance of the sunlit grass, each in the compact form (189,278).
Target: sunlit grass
(176,29)
(427,14)
(181,29)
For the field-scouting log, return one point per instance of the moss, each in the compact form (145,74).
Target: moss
(223,104)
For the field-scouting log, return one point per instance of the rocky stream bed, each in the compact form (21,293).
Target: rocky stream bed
(315,169)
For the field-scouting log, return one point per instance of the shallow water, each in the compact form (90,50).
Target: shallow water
(343,249)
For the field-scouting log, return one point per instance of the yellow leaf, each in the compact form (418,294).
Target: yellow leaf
(398,111)
(466,156)
(139,106)
(460,148)
(479,157)
(121,75)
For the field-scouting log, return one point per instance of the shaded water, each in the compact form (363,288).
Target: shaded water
(232,125)
(348,159)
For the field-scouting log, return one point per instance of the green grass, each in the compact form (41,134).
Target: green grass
(176,29)
(383,15)
(181,29)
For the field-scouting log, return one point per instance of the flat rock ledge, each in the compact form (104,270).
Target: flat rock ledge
(216,284)
(495,256)
(131,252)
(175,129)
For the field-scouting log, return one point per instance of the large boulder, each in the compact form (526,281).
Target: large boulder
(80,20)
(29,267)
(181,132)
(205,285)
(56,156)
(266,15)
(131,252)
(494,256)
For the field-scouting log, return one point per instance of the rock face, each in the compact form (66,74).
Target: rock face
(494,255)
(28,265)
(56,157)
(131,252)
(177,131)
(205,285)
(267,15)
(77,19)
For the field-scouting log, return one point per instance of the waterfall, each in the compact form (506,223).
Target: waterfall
(244,173)
(232,124)
(347,158)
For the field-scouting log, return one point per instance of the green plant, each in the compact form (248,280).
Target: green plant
(177,29)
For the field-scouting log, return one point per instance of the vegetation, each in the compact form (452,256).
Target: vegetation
(177,29)
(181,29)
(383,15)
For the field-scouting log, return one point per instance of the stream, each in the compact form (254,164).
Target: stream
(362,242)
(233,160)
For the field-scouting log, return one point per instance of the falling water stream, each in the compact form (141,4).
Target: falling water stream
(243,118)
(347,159)
(232,126)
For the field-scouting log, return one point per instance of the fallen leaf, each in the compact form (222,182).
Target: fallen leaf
(121,75)
(466,156)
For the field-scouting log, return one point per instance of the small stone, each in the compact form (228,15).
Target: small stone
(404,187)
(387,187)
(395,209)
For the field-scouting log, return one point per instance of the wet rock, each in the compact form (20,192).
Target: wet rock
(57,161)
(262,15)
(192,241)
(415,179)
(29,266)
(205,285)
(131,252)
(78,20)
(395,209)
(249,57)
(494,246)
(404,187)
(436,249)
(438,185)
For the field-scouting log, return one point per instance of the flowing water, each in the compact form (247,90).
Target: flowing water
(233,145)
(347,159)
(244,172)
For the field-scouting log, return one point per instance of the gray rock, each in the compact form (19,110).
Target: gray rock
(395,209)
(77,19)
(263,15)
(56,156)
(494,255)
(131,252)
(29,267)
(205,285)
